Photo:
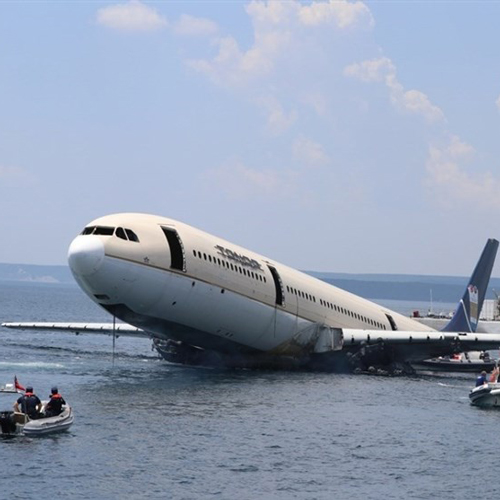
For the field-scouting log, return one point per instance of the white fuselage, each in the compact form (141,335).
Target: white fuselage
(178,282)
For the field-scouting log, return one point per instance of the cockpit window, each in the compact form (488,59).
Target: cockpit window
(104,230)
(120,233)
(124,234)
(131,235)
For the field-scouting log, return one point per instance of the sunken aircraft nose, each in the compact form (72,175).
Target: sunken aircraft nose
(85,255)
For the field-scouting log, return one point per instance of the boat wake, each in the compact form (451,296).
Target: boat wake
(452,386)
(29,364)
(98,352)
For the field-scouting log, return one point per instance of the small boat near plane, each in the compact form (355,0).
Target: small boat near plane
(17,423)
(473,361)
(486,395)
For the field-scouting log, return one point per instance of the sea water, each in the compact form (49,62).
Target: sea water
(145,428)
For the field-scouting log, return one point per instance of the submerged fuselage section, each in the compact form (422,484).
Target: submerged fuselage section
(182,284)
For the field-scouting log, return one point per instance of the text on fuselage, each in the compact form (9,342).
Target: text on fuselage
(241,259)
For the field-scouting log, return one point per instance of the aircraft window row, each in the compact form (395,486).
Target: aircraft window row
(124,234)
(300,293)
(343,310)
(229,265)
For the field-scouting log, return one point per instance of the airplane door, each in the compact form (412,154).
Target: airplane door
(280,295)
(177,255)
(392,322)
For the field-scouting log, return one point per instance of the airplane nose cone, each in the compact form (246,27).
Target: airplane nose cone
(85,255)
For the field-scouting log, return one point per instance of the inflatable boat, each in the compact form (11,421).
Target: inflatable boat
(486,395)
(13,422)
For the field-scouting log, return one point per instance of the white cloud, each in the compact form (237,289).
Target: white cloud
(417,102)
(452,184)
(194,26)
(317,101)
(374,70)
(383,70)
(8,171)
(131,16)
(16,174)
(240,182)
(308,152)
(278,26)
(337,12)
(341,13)
(233,68)
(278,120)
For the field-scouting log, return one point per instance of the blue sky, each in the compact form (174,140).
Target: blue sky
(334,136)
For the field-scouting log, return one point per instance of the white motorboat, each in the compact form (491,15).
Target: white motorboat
(486,395)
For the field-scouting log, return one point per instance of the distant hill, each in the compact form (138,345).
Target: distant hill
(403,286)
(35,273)
(371,286)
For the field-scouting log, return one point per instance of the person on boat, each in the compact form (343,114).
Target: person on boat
(30,403)
(494,374)
(55,404)
(481,379)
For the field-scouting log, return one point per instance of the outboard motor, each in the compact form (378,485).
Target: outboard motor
(7,423)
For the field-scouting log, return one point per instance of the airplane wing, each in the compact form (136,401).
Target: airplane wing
(120,329)
(408,346)
(416,346)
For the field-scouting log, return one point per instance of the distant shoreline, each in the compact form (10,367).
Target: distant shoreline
(373,286)
(35,273)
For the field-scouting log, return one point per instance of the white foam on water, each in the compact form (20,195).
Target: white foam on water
(29,364)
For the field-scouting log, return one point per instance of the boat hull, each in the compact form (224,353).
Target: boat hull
(15,423)
(442,365)
(50,425)
(486,395)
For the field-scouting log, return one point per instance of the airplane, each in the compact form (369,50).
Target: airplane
(206,301)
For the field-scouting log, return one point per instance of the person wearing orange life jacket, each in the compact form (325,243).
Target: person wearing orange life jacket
(54,406)
(494,374)
(30,403)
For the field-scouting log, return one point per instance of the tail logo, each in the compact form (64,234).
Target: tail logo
(473,301)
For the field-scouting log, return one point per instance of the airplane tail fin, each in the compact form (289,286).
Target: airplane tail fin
(468,309)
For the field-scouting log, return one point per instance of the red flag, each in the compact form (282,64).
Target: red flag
(18,385)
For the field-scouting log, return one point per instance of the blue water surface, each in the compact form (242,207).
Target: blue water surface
(148,429)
